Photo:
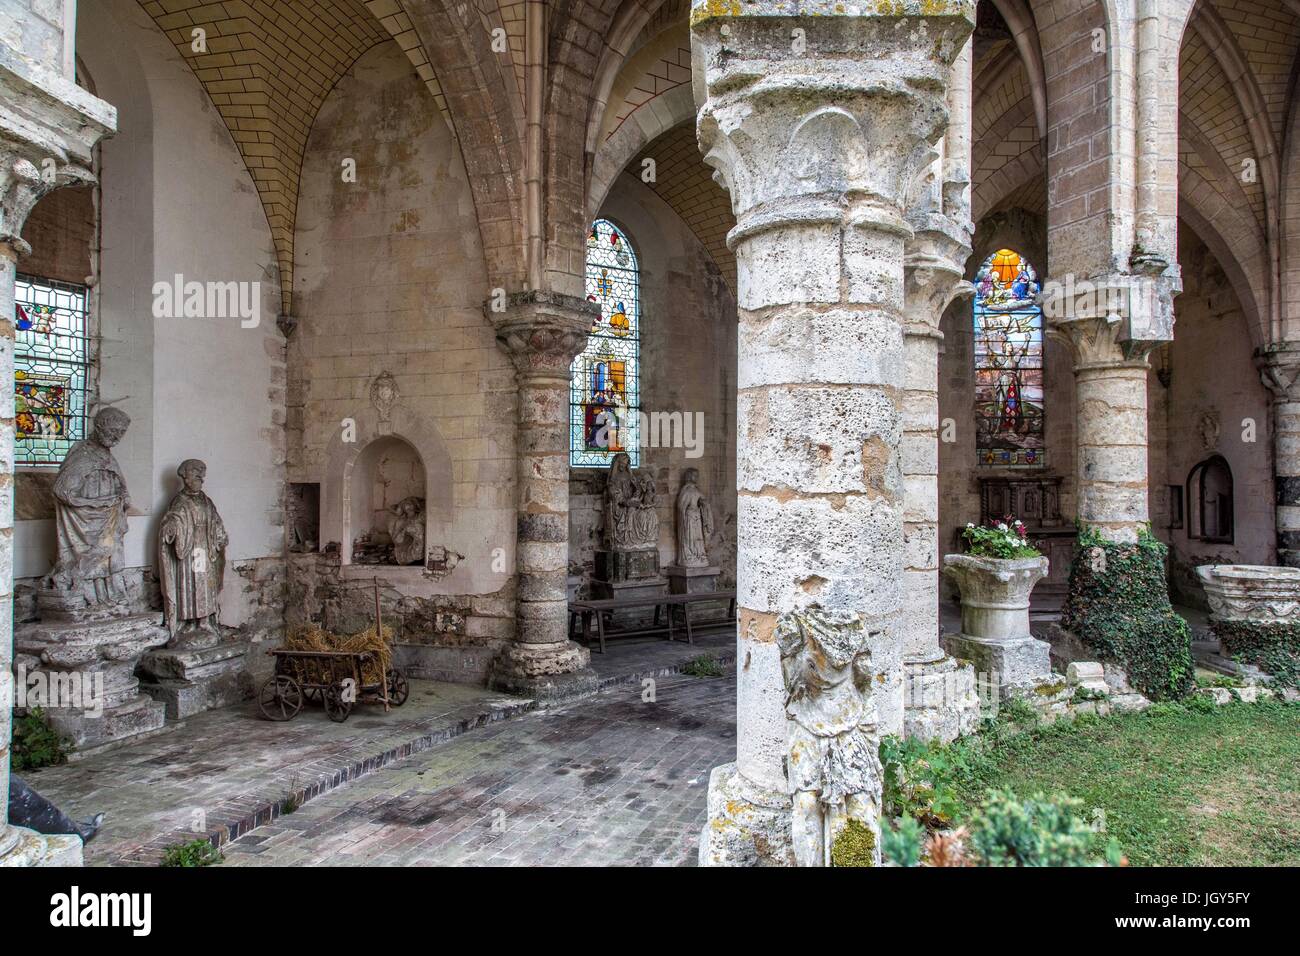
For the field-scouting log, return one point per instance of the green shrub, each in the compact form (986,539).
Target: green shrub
(901,842)
(920,779)
(1273,647)
(706,665)
(36,744)
(194,853)
(1008,831)
(1119,605)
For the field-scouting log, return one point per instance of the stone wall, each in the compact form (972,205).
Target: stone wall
(688,365)
(390,278)
(175,198)
(1214,394)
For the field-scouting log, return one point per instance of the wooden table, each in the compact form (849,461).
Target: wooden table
(665,605)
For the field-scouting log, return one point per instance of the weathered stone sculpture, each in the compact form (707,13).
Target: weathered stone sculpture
(191,555)
(90,507)
(694,523)
(631,522)
(832,737)
(629,562)
(406,528)
(88,640)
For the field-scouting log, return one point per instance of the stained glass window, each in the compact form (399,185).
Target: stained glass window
(1008,363)
(605,391)
(51,368)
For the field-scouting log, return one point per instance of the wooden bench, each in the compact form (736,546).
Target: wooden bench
(665,605)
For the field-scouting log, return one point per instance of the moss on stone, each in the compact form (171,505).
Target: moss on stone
(855,845)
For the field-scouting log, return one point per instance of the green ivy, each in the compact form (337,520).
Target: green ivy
(36,744)
(1273,646)
(1120,606)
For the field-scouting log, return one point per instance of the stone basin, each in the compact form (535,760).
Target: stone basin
(1246,592)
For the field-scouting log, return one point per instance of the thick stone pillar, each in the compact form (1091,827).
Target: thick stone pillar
(1111,325)
(1279,370)
(819,125)
(49,127)
(939,696)
(543,332)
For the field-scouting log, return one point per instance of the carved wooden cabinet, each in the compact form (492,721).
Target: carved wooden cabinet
(1035,500)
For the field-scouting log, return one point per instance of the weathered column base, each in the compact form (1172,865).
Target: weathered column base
(747,825)
(22,847)
(941,701)
(550,673)
(1004,664)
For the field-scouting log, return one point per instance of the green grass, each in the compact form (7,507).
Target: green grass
(1178,785)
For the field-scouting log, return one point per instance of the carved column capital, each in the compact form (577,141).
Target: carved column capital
(934,270)
(47,131)
(542,332)
(818,112)
(1111,321)
(1279,369)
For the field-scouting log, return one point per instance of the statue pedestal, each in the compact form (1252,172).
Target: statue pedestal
(86,684)
(692,580)
(189,679)
(22,847)
(628,574)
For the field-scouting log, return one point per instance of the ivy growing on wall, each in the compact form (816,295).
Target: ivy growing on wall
(1274,647)
(1119,605)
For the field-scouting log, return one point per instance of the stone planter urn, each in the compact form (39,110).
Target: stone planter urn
(1245,592)
(995,634)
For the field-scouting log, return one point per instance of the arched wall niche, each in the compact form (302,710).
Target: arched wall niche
(347,490)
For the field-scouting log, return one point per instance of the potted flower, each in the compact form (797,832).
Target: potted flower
(995,578)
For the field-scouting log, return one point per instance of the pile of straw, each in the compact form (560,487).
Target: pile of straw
(310,637)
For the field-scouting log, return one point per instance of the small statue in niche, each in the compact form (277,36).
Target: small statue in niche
(406,528)
(192,543)
(631,521)
(90,506)
(832,740)
(694,522)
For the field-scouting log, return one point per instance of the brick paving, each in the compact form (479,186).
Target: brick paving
(224,772)
(610,780)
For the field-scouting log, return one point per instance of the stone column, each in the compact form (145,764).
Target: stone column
(1279,370)
(819,125)
(543,332)
(1111,325)
(50,127)
(939,696)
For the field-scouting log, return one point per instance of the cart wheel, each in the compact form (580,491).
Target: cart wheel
(336,708)
(398,688)
(281,698)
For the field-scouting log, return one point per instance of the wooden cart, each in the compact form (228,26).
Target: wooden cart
(334,677)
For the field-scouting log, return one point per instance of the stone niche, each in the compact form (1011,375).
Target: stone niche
(387,476)
(391,460)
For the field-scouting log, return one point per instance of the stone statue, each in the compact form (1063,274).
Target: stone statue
(90,506)
(694,523)
(406,528)
(832,761)
(191,555)
(631,521)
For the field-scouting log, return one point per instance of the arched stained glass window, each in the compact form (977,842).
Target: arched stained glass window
(605,391)
(1008,363)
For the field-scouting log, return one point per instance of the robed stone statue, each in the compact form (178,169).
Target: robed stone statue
(694,522)
(191,555)
(90,505)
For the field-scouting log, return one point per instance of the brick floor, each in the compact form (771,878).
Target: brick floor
(610,780)
(226,771)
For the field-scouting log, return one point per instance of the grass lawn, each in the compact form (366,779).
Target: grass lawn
(1179,786)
